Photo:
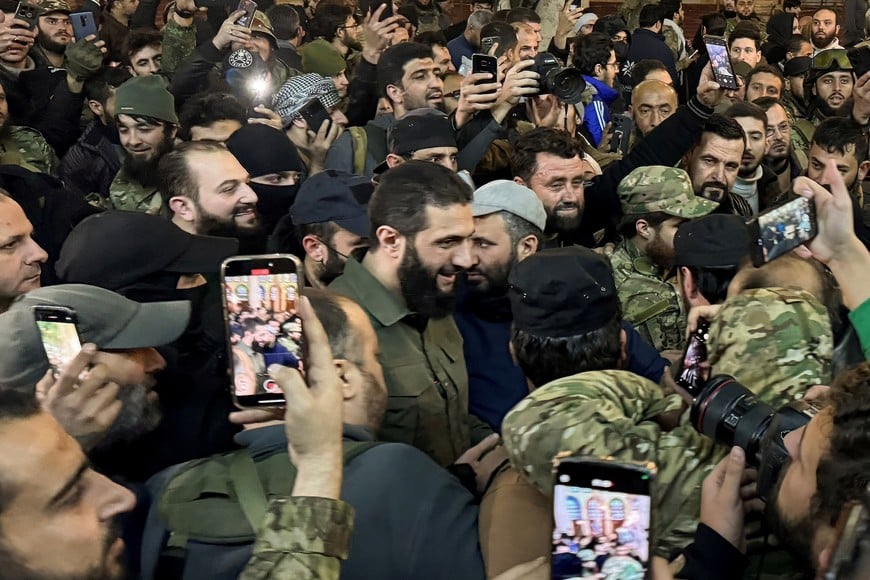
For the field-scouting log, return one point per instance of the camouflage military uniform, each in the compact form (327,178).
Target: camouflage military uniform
(732,22)
(178,43)
(27,148)
(301,538)
(128,194)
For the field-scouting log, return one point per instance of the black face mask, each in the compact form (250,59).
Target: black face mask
(273,202)
(620,49)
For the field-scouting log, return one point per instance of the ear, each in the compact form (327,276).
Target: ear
(130,70)
(520,181)
(393,160)
(173,131)
(96,108)
(183,207)
(527,247)
(863,169)
(687,282)
(390,241)
(623,348)
(314,248)
(346,370)
(643,229)
(598,70)
(394,94)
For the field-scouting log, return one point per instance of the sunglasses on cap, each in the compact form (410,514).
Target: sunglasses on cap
(826,60)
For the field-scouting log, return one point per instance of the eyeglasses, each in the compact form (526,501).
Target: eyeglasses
(781,129)
(349,26)
(826,60)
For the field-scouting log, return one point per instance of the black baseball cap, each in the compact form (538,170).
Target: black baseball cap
(421,129)
(334,196)
(116,249)
(562,292)
(713,241)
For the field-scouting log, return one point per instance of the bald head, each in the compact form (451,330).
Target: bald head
(652,102)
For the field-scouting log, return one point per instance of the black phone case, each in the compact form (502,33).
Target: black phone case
(620,138)
(725,81)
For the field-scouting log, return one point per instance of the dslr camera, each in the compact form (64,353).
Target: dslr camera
(565,82)
(731,414)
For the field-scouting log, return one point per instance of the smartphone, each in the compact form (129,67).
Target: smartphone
(860,59)
(488,42)
(260,297)
(83,24)
(720,61)
(315,114)
(369,6)
(620,135)
(482,63)
(601,510)
(781,229)
(246,19)
(60,338)
(27,12)
(690,376)
(693,54)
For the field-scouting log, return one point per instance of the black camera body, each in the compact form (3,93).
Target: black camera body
(564,82)
(731,414)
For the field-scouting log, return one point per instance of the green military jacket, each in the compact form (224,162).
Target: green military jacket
(732,22)
(27,148)
(127,194)
(650,303)
(303,538)
(424,368)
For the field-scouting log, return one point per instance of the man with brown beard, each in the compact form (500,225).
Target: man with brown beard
(54,34)
(147,123)
(831,81)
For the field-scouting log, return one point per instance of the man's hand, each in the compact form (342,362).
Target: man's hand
(721,500)
(519,82)
(833,214)
(231,32)
(546,111)
(319,144)
(84,401)
(484,458)
(84,58)
(475,97)
(709,91)
(15,32)
(861,94)
(565,27)
(377,33)
(185,6)
(708,312)
(271,118)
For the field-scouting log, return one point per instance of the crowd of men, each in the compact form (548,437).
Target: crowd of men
(493,277)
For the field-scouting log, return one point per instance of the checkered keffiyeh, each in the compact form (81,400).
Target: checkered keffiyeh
(298,92)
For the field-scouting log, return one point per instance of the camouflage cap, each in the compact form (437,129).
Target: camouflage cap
(263,25)
(777,342)
(49,6)
(657,188)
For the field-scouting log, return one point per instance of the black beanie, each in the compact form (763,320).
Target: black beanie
(263,150)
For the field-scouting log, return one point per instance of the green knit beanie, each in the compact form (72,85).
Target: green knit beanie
(146,96)
(320,57)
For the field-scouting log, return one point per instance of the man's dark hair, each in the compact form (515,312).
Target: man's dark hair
(643,67)
(285,21)
(329,309)
(522,14)
(745,109)
(670,7)
(328,19)
(830,9)
(518,228)
(712,283)
(628,228)
(431,38)
(767,103)
(838,135)
(713,24)
(139,39)
(795,43)
(14,405)
(725,127)
(786,4)
(745,29)
(404,193)
(526,147)
(766,68)
(501,14)
(591,50)
(544,359)
(206,108)
(507,36)
(650,15)
(100,86)
(174,174)
(391,66)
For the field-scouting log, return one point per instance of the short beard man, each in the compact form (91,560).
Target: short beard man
(250,238)
(420,288)
(844,110)
(140,414)
(492,283)
(144,171)
(50,45)
(564,225)
(660,253)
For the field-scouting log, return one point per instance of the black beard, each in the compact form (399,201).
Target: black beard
(660,254)
(139,415)
(495,282)
(333,267)
(827,40)
(844,110)
(796,536)
(251,240)
(557,224)
(142,171)
(49,45)
(420,288)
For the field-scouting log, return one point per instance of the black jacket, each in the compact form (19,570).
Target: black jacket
(92,163)
(646,44)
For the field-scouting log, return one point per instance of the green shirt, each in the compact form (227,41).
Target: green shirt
(860,319)
(424,368)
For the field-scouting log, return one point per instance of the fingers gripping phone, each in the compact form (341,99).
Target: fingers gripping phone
(720,61)
(601,510)
(260,298)
(691,376)
(83,24)
(60,338)
(482,63)
(246,19)
(781,229)
(620,138)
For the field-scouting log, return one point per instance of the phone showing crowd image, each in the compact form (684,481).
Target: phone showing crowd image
(483,63)
(260,298)
(691,374)
(84,24)
(246,19)
(60,338)
(720,62)
(602,512)
(781,229)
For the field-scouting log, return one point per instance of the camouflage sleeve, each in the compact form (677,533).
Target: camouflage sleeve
(673,41)
(178,43)
(302,538)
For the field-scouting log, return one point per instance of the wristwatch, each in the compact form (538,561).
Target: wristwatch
(183,13)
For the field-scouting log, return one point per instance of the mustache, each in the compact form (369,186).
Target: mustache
(566,205)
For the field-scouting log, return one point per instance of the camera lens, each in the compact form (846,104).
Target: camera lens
(566,83)
(728,412)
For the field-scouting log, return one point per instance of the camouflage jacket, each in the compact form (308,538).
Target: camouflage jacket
(732,22)
(127,194)
(178,43)
(27,148)
(650,303)
(301,538)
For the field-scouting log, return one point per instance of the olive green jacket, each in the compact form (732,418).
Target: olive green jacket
(424,368)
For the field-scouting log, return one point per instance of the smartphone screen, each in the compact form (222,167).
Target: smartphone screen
(60,338)
(246,19)
(261,293)
(691,376)
(721,63)
(602,519)
(781,229)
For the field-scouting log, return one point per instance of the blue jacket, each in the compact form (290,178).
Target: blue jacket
(458,48)
(597,113)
